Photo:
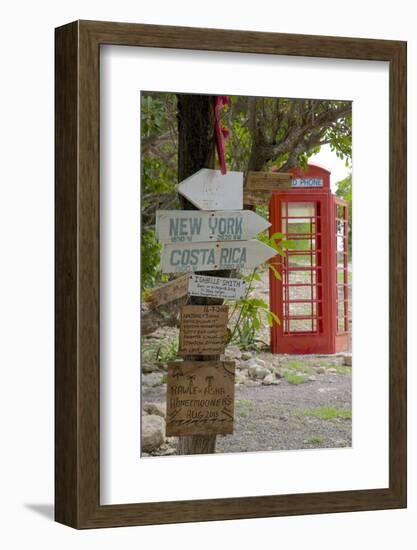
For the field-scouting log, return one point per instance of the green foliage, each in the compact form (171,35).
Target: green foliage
(314,440)
(160,351)
(294,378)
(326,413)
(152,115)
(253,313)
(298,366)
(167,353)
(238,145)
(158,177)
(340,137)
(150,252)
(260,122)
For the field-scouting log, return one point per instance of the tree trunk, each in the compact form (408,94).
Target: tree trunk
(196,151)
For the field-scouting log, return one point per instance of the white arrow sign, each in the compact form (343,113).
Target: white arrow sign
(194,226)
(210,190)
(215,287)
(181,257)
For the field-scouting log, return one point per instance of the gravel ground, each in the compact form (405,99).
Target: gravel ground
(282,417)
(276,417)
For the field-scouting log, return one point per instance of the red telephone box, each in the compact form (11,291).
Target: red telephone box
(311,300)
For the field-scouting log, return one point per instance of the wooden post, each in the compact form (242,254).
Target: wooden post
(196,151)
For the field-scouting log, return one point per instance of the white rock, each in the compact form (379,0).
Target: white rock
(331,371)
(152,379)
(159,409)
(234,353)
(258,372)
(271,379)
(246,355)
(153,432)
(320,370)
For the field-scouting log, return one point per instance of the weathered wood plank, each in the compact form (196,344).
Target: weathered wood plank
(203,330)
(256,198)
(268,181)
(168,292)
(200,398)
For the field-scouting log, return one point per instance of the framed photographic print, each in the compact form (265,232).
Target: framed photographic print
(230,274)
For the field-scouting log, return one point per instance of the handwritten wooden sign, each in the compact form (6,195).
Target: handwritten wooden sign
(182,257)
(211,190)
(203,330)
(268,181)
(200,398)
(194,226)
(169,292)
(259,186)
(216,287)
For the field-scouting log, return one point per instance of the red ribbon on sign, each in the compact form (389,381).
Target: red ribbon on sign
(220,133)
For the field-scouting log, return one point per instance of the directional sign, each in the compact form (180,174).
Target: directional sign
(174,226)
(182,257)
(200,397)
(267,181)
(210,190)
(203,330)
(168,292)
(216,287)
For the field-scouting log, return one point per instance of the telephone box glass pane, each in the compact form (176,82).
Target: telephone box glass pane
(342,273)
(301,272)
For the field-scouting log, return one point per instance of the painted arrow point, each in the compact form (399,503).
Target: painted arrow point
(211,190)
(256,223)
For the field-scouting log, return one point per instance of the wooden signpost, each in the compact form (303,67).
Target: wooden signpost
(256,198)
(174,226)
(216,287)
(207,256)
(196,285)
(200,394)
(200,398)
(169,292)
(259,186)
(209,189)
(203,330)
(268,181)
